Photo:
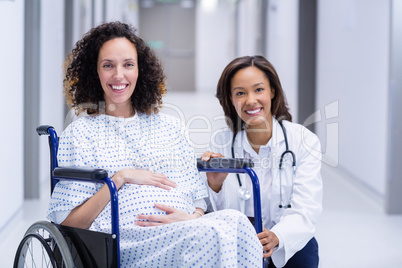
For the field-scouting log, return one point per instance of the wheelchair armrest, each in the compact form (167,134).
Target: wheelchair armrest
(94,175)
(224,163)
(237,165)
(43,130)
(80,173)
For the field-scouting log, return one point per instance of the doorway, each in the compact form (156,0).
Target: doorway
(169,28)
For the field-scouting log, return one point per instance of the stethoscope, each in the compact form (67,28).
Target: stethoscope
(244,192)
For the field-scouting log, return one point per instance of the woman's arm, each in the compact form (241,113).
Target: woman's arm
(84,215)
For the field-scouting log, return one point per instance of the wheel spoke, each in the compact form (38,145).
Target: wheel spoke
(31,251)
(50,240)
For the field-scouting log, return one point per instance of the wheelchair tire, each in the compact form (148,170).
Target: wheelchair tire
(39,245)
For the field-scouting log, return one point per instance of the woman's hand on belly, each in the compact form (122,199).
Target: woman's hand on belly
(142,177)
(173,215)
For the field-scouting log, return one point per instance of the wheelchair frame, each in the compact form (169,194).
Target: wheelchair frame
(225,165)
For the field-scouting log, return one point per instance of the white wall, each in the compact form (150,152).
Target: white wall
(84,20)
(249,31)
(353,69)
(11,108)
(282,46)
(215,47)
(51,110)
(123,10)
(82,13)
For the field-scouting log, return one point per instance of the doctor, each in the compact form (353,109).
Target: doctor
(260,129)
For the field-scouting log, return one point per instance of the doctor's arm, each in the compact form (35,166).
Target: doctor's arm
(215,180)
(295,226)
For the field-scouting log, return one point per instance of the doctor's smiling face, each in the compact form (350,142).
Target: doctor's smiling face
(118,74)
(251,95)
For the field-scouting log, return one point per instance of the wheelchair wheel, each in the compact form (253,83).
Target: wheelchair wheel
(43,246)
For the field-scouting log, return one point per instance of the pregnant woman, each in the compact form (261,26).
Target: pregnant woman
(116,79)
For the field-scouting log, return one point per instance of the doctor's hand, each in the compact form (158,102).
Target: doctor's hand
(215,179)
(142,177)
(268,241)
(173,215)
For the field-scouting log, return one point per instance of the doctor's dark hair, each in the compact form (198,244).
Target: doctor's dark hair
(279,107)
(82,86)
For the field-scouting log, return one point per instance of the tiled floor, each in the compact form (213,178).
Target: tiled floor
(353,230)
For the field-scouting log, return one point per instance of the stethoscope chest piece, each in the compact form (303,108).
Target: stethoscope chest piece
(244,193)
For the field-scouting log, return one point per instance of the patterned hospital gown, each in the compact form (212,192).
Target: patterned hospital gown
(159,143)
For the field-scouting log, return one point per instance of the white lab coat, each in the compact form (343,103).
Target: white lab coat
(293,226)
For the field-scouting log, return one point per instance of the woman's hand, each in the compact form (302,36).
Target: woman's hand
(142,177)
(215,179)
(173,215)
(268,241)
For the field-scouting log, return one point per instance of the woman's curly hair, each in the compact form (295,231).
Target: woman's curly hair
(82,86)
(279,107)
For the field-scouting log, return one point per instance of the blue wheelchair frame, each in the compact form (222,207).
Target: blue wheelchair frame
(85,174)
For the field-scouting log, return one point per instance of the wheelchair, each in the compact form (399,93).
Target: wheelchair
(46,244)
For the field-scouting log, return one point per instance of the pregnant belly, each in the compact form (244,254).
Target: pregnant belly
(141,199)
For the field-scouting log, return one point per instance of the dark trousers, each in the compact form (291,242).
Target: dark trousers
(307,257)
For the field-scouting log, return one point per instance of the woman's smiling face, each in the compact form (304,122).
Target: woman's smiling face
(118,73)
(251,96)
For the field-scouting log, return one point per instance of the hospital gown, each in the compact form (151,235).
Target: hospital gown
(158,143)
